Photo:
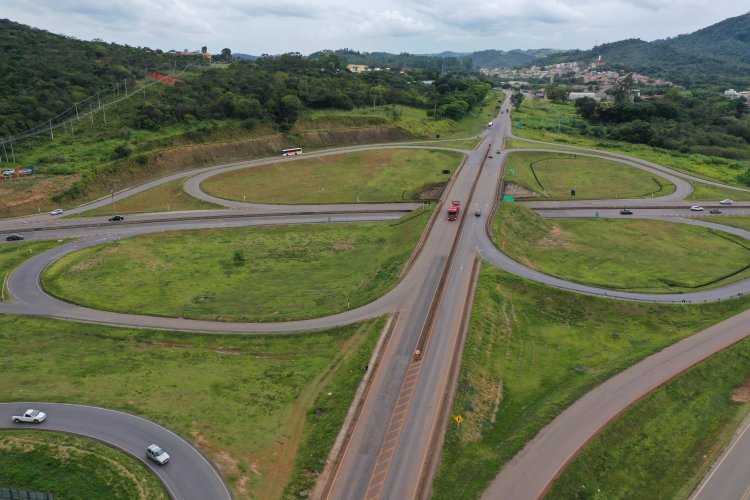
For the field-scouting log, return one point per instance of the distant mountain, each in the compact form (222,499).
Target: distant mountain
(718,54)
(239,55)
(444,60)
(510,59)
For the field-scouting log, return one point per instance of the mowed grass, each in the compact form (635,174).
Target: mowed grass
(15,253)
(730,220)
(259,406)
(531,351)
(72,467)
(164,198)
(663,445)
(555,175)
(241,274)
(707,192)
(370,176)
(558,123)
(465,144)
(633,255)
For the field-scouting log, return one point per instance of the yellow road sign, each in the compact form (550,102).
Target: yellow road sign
(458,418)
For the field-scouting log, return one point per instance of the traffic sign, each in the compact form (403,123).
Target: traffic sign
(508,198)
(459,419)
(511,170)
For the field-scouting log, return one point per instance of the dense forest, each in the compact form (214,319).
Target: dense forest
(699,121)
(716,55)
(277,89)
(42,74)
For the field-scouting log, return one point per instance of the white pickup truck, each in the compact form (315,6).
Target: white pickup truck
(34,416)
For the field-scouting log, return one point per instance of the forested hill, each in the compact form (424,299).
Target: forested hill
(446,61)
(716,55)
(42,74)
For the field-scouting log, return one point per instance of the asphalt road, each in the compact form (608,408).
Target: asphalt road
(400,469)
(728,479)
(187,475)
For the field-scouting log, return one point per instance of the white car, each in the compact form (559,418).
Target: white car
(157,454)
(56,211)
(726,202)
(696,208)
(30,416)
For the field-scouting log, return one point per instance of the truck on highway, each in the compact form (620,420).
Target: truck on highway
(30,416)
(454,209)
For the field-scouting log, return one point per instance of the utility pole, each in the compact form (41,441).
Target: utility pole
(98,100)
(12,153)
(77,118)
(91,112)
(52,134)
(126,87)
(112,183)
(104,110)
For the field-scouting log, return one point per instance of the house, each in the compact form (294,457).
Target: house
(357,68)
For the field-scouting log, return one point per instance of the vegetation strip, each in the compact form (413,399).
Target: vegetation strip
(662,446)
(531,351)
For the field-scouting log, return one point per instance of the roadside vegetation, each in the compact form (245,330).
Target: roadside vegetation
(708,192)
(15,253)
(663,445)
(266,273)
(738,221)
(559,123)
(555,176)
(531,351)
(163,198)
(369,176)
(70,466)
(263,408)
(629,255)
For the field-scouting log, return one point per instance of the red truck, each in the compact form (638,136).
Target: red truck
(454,209)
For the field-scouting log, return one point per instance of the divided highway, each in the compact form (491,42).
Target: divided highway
(391,449)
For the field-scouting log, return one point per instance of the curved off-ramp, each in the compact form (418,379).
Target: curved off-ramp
(188,475)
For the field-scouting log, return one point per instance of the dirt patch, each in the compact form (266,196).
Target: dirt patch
(518,191)
(344,245)
(31,195)
(227,464)
(432,192)
(555,238)
(742,394)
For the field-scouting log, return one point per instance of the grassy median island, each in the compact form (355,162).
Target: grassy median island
(15,253)
(164,198)
(265,408)
(554,175)
(624,254)
(531,351)
(663,445)
(385,175)
(71,466)
(241,274)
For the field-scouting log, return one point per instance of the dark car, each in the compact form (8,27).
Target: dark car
(714,211)
(626,211)
(13,237)
(116,218)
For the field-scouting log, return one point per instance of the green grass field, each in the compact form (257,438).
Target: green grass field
(164,198)
(241,274)
(72,467)
(554,176)
(662,446)
(264,408)
(369,176)
(465,144)
(730,220)
(633,255)
(542,119)
(531,351)
(713,193)
(15,253)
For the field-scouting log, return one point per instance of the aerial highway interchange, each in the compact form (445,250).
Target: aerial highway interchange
(391,445)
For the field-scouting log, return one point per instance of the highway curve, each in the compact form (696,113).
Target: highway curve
(188,475)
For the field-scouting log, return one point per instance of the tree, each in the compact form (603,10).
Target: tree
(226,55)
(204,49)
(289,110)
(516,99)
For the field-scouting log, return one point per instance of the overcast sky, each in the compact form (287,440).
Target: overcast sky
(416,26)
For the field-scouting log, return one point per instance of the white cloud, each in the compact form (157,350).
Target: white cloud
(274,26)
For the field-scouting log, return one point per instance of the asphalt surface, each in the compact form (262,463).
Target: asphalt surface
(373,467)
(728,479)
(187,475)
